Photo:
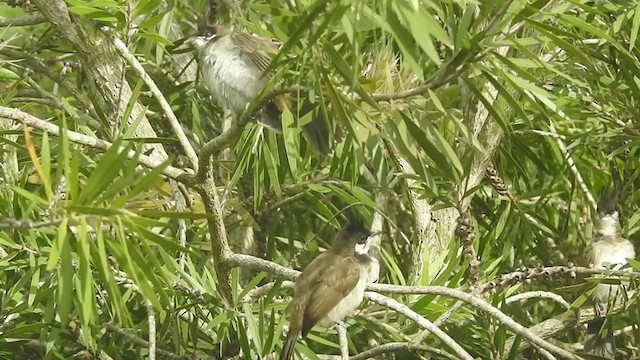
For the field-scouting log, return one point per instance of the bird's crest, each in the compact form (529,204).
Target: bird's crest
(356,226)
(607,202)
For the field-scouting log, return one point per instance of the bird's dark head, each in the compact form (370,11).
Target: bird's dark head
(608,220)
(353,238)
(207,34)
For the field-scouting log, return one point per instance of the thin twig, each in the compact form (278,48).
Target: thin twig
(41,67)
(542,133)
(400,346)
(420,208)
(256,263)
(489,309)
(538,295)
(574,169)
(556,325)
(142,342)
(421,321)
(123,279)
(180,206)
(30,120)
(151,319)
(164,105)
(9,223)
(442,319)
(437,82)
(22,21)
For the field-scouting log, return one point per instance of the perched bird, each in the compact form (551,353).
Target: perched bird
(606,247)
(233,65)
(332,285)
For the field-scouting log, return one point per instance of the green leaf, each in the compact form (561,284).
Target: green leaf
(65,275)
(104,174)
(8,74)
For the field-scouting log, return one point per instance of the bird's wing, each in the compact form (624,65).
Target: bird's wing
(258,50)
(588,258)
(332,286)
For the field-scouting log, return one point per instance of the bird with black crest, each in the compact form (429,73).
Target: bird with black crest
(332,286)
(607,249)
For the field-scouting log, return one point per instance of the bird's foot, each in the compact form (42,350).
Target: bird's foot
(339,324)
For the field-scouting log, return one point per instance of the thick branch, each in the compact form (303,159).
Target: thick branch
(103,66)
(420,209)
(221,252)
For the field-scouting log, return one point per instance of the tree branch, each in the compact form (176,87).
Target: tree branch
(420,209)
(22,21)
(400,346)
(483,306)
(103,66)
(142,342)
(574,169)
(343,341)
(538,295)
(164,105)
(32,121)
(421,321)
(42,68)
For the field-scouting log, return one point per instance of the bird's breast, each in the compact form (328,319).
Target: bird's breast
(231,79)
(350,302)
(613,252)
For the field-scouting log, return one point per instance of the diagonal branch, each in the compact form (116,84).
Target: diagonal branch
(573,168)
(98,144)
(164,105)
(424,323)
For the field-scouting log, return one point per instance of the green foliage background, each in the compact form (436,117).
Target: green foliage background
(509,83)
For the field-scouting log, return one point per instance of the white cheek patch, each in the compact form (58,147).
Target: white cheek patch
(362,249)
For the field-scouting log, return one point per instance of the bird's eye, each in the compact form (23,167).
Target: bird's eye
(363,238)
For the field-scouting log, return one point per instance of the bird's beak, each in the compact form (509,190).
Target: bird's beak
(179,47)
(375,233)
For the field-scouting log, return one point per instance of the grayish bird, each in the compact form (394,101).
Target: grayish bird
(233,65)
(607,249)
(332,286)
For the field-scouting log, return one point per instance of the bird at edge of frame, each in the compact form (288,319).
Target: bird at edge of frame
(233,65)
(607,249)
(332,286)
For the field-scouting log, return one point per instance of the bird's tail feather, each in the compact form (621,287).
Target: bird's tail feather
(599,344)
(316,132)
(270,117)
(289,344)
